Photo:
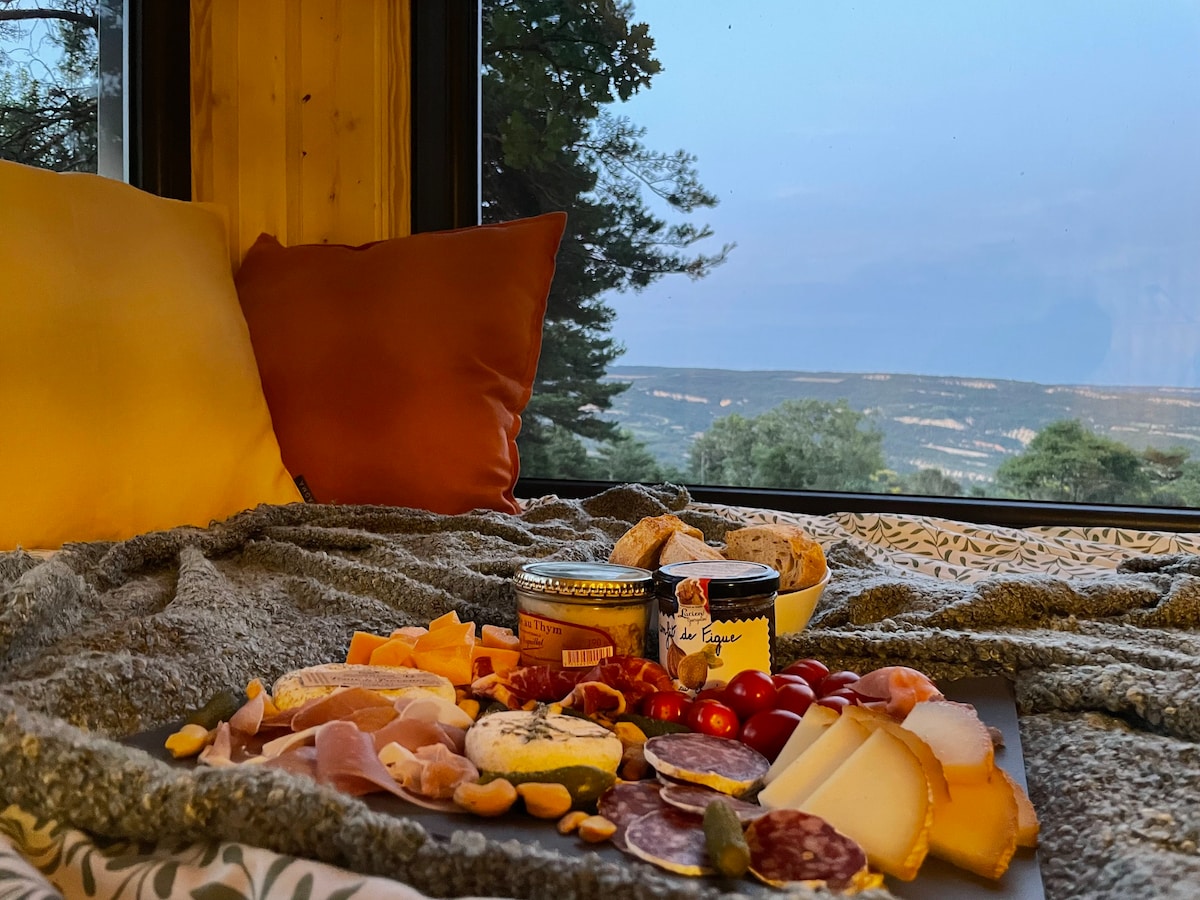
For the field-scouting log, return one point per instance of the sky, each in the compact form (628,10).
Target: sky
(992,188)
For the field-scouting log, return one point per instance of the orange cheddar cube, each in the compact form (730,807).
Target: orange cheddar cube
(393,652)
(450,618)
(488,660)
(499,637)
(362,645)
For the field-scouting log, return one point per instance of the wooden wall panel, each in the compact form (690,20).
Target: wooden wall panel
(300,118)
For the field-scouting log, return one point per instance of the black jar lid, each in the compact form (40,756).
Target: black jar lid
(727,579)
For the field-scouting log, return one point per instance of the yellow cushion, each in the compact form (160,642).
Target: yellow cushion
(130,400)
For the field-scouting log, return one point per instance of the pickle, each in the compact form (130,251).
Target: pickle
(652,727)
(585,783)
(223,704)
(726,841)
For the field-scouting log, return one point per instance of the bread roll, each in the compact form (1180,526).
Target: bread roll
(682,547)
(788,549)
(640,545)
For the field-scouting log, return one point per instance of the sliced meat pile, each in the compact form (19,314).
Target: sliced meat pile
(355,740)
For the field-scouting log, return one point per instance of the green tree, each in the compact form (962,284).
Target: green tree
(552,69)
(48,84)
(625,458)
(800,444)
(559,454)
(1067,462)
(933,483)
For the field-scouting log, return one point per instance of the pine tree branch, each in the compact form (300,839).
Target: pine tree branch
(66,15)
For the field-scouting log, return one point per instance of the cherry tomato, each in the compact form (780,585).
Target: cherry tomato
(783,678)
(768,730)
(717,694)
(796,698)
(750,691)
(849,693)
(811,670)
(712,718)
(831,683)
(669,706)
(835,703)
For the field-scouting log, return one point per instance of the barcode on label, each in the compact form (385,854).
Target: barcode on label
(574,659)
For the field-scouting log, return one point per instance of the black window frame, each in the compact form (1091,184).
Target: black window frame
(445,43)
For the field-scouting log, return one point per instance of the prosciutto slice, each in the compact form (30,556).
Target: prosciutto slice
(347,760)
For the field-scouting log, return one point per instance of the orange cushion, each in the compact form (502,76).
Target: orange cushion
(396,372)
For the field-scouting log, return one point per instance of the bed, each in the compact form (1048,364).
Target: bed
(1096,630)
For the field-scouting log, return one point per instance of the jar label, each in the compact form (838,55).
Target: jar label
(696,648)
(561,645)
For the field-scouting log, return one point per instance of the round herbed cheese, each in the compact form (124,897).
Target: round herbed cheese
(538,741)
(297,687)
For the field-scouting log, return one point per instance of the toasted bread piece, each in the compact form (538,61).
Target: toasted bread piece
(640,545)
(681,547)
(788,549)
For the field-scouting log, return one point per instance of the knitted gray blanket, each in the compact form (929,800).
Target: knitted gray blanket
(106,640)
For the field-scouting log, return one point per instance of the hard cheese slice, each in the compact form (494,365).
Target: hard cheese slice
(812,725)
(880,797)
(828,752)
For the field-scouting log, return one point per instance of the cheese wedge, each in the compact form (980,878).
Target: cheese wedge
(827,753)
(880,797)
(977,830)
(812,725)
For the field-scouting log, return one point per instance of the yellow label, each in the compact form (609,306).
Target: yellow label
(736,643)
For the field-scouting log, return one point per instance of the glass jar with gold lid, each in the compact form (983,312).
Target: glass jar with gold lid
(572,615)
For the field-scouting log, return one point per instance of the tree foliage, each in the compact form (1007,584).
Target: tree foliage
(550,141)
(1067,462)
(800,444)
(48,84)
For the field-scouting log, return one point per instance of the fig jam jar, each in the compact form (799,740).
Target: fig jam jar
(572,615)
(715,619)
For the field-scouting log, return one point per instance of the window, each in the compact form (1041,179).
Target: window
(965,277)
(97,86)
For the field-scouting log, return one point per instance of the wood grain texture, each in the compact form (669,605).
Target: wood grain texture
(300,118)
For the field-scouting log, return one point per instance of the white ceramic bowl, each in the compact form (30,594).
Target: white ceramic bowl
(794,608)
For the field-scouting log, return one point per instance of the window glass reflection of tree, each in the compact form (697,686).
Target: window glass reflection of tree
(49,82)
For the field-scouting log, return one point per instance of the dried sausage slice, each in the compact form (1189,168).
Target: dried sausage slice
(720,763)
(626,801)
(789,847)
(671,839)
(694,798)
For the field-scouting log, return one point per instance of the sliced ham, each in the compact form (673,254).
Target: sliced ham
(339,705)
(347,760)
(415,733)
(898,688)
(220,751)
(248,719)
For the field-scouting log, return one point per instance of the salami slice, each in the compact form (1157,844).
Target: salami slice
(671,839)
(728,766)
(789,847)
(694,798)
(626,801)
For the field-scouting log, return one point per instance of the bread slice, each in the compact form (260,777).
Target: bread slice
(788,549)
(682,547)
(640,545)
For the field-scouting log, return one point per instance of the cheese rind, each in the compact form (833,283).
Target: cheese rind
(535,741)
(295,688)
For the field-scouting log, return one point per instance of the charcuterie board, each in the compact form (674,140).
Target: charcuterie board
(937,880)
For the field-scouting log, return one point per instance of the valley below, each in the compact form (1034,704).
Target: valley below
(964,426)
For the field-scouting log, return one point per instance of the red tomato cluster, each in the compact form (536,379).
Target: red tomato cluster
(759,709)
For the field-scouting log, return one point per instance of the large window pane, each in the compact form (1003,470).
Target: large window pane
(967,238)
